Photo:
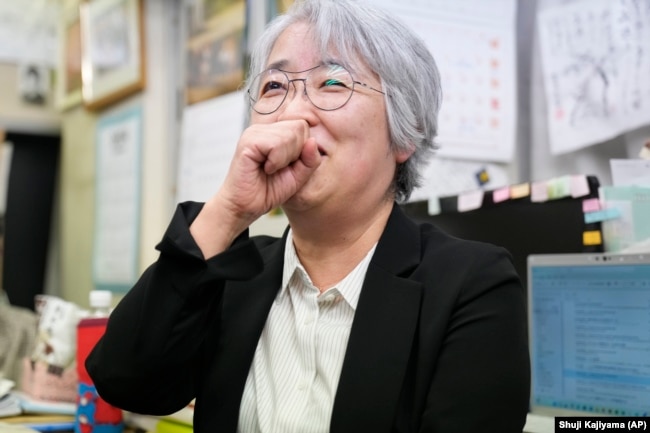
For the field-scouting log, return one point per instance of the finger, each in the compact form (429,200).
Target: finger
(310,156)
(287,146)
(310,159)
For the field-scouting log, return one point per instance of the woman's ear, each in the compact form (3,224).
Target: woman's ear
(403,154)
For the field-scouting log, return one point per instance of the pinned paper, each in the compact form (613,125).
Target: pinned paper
(592,237)
(559,187)
(501,194)
(632,227)
(630,172)
(602,215)
(579,186)
(591,205)
(539,192)
(433,206)
(520,191)
(470,200)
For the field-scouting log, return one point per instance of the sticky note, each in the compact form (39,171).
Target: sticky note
(602,215)
(591,205)
(579,186)
(539,192)
(559,187)
(519,191)
(501,194)
(592,237)
(470,200)
(433,206)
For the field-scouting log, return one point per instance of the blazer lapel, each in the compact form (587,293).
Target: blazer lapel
(382,333)
(246,305)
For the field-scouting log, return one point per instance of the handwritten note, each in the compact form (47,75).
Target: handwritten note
(596,64)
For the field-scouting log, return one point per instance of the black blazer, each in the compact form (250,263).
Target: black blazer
(438,342)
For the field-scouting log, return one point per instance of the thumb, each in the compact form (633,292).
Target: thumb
(308,161)
(310,156)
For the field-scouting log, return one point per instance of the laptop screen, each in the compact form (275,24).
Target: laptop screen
(589,318)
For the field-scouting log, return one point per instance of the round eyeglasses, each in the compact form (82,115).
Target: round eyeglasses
(329,87)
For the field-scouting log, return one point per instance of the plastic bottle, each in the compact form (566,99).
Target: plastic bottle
(93,413)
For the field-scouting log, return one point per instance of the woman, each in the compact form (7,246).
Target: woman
(357,319)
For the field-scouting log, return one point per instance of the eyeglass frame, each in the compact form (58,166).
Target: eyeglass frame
(304,84)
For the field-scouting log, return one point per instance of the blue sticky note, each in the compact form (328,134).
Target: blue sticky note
(602,215)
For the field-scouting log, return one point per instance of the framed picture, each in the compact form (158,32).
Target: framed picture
(118,182)
(214,49)
(34,83)
(69,70)
(277,7)
(113,50)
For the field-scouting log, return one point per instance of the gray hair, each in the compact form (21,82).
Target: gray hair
(359,32)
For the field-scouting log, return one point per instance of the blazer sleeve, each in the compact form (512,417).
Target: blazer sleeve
(481,381)
(149,357)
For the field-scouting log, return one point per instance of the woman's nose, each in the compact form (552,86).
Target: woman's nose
(295,88)
(296,97)
(297,104)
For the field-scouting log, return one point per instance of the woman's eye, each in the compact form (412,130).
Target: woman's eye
(271,86)
(333,82)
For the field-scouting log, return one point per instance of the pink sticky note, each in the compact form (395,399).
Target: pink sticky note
(501,194)
(470,200)
(591,205)
(539,192)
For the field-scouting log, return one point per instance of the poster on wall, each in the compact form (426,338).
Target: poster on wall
(28,31)
(473,43)
(214,48)
(595,66)
(117,201)
(211,130)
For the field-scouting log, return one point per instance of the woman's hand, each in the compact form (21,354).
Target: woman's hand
(271,163)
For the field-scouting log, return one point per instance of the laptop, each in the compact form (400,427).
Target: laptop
(589,331)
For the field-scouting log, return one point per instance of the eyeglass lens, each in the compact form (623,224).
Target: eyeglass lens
(328,87)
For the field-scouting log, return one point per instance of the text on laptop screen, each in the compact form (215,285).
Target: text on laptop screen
(590,338)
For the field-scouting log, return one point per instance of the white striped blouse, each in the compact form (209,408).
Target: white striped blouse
(297,364)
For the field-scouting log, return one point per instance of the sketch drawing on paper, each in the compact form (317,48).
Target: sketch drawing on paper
(595,63)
